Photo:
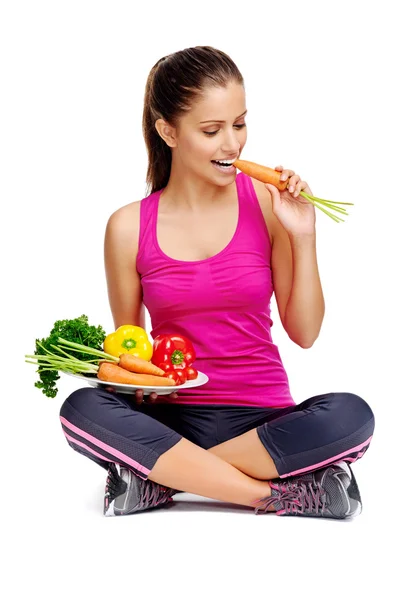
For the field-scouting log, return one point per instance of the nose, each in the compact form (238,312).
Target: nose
(231,143)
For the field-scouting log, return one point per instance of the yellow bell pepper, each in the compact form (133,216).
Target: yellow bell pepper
(129,339)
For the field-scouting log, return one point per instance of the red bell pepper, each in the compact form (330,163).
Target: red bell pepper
(174,354)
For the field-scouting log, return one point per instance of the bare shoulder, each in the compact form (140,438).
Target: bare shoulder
(125,220)
(122,230)
(121,241)
(120,257)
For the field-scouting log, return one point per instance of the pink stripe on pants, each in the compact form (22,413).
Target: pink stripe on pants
(126,459)
(361,448)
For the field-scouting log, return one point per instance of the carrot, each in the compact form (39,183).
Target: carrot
(112,373)
(139,365)
(268,175)
(264,174)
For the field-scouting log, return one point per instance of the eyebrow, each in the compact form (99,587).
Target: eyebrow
(216,121)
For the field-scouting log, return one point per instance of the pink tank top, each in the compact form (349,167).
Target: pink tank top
(222,304)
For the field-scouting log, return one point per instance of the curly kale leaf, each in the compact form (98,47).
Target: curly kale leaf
(74,330)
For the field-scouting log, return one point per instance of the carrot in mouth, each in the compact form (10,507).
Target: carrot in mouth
(268,175)
(261,173)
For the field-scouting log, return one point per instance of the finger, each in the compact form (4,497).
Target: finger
(279,168)
(286,174)
(272,189)
(298,188)
(110,389)
(173,395)
(293,182)
(302,185)
(152,397)
(139,396)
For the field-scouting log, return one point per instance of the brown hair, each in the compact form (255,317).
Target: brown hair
(173,84)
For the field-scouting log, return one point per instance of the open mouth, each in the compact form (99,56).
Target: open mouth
(223,163)
(226,167)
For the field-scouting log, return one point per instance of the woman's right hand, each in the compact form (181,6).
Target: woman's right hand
(138,395)
(151,398)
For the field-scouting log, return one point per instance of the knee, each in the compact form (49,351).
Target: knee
(355,409)
(77,399)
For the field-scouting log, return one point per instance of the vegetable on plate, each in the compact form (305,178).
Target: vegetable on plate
(66,350)
(175,354)
(74,346)
(129,339)
(112,373)
(139,365)
(72,330)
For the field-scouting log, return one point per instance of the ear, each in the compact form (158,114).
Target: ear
(167,132)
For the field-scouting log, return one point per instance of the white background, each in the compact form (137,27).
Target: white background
(321,94)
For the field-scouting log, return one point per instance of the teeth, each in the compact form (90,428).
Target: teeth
(224,162)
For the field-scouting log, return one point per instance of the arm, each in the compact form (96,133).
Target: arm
(297,287)
(125,292)
(296,279)
(120,251)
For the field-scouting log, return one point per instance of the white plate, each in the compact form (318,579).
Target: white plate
(125,388)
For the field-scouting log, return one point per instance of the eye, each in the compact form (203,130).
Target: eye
(215,132)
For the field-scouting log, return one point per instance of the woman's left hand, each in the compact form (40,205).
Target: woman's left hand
(296,214)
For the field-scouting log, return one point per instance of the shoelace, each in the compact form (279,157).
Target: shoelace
(297,498)
(153,494)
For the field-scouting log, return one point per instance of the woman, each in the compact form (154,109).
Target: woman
(204,251)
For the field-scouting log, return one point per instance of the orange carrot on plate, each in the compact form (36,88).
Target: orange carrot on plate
(139,365)
(113,373)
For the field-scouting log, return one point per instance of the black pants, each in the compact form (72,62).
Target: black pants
(106,427)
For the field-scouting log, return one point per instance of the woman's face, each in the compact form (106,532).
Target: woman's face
(222,137)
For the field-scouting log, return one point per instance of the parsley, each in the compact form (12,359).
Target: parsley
(73,330)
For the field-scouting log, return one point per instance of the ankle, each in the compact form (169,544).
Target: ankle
(263,491)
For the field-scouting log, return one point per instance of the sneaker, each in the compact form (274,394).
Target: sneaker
(330,492)
(126,493)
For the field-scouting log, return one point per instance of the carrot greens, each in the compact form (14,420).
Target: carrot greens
(51,356)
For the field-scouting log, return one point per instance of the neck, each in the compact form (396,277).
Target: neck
(191,193)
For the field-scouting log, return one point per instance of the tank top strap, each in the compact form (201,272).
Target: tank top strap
(147,216)
(252,223)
